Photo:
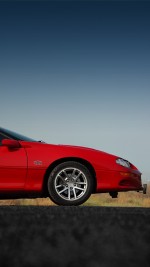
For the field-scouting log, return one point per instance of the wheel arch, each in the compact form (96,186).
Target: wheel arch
(62,160)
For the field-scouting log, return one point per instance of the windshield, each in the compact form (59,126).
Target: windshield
(16,136)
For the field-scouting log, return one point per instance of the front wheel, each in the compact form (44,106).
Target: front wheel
(70,184)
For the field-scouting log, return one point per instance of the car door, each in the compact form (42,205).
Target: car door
(13,167)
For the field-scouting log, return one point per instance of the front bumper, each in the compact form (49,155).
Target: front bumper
(119,181)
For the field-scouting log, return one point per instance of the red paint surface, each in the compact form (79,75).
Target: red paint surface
(24,168)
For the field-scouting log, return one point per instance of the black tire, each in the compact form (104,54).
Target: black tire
(70,184)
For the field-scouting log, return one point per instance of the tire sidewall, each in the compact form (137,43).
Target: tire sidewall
(51,184)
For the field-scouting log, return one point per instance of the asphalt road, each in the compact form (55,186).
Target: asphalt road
(74,236)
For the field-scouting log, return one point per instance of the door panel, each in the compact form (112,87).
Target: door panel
(13,168)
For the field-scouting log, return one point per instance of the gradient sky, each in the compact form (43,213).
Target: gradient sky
(78,72)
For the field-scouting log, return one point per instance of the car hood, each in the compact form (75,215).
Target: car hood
(83,148)
(66,147)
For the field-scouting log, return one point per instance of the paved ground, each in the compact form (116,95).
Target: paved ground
(74,236)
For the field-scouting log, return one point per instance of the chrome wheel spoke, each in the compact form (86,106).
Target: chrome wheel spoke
(78,175)
(60,185)
(74,192)
(61,177)
(60,192)
(73,173)
(80,183)
(79,188)
(69,193)
(66,173)
(71,183)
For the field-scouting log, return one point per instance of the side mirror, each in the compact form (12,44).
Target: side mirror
(10,143)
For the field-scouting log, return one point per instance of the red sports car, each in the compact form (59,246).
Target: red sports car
(67,174)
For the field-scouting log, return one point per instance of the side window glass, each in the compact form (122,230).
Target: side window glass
(1,138)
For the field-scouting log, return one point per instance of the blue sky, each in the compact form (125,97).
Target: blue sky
(78,72)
